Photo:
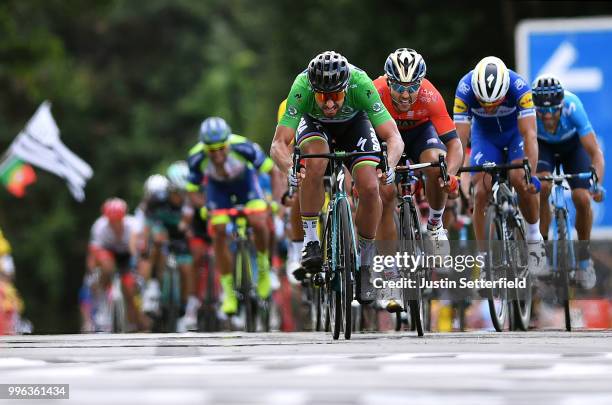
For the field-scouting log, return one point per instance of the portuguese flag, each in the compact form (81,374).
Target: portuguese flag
(16,176)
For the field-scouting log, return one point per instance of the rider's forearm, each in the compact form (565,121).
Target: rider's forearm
(281,154)
(528,129)
(454,156)
(590,144)
(280,150)
(598,163)
(395,148)
(531,149)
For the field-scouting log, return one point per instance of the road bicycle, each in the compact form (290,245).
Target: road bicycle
(564,264)
(412,241)
(339,247)
(506,248)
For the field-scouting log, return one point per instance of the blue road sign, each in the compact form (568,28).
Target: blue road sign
(577,51)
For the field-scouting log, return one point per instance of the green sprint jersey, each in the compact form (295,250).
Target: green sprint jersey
(361,95)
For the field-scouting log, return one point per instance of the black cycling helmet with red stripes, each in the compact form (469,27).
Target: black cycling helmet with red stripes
(547,91)
(328,72)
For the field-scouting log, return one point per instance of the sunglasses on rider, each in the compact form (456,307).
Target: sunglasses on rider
(215,147)
(493,104)
(336,97)
(546,110)
(400,88)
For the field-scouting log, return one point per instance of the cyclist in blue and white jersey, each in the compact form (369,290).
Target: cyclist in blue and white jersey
(564,129)
(494,105)
(231,164)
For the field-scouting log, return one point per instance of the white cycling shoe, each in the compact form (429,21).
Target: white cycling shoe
(585,275)
(438,241)
(189,322)
(538,263)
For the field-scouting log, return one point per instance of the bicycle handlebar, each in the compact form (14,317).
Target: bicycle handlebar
(498,168)
(441,163)
(590,175)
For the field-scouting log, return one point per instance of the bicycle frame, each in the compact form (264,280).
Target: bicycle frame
(560,204)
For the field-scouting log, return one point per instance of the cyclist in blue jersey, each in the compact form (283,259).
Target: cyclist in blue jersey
(564,129)
(231,164)
(494,105)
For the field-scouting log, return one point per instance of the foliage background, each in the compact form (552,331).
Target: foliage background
(130,82)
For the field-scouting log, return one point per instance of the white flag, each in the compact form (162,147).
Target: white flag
(39,144)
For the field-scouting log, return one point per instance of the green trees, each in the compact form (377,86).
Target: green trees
(130,82)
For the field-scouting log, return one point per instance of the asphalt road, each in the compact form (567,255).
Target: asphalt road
(309,368)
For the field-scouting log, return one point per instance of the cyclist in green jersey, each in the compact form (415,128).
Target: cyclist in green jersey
(333,101)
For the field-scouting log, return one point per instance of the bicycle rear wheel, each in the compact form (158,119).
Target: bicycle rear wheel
(348,263)
(412,243)
(565,260)
(495,269)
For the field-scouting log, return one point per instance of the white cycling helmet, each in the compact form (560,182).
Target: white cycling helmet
(405,65)
(156,185)
(490,80)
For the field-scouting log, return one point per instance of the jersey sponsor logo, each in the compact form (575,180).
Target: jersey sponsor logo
(460,107)
(292,111)
(368,93)
(519,83)
(464,88)
(375,144)
(526,101)
(377,107)
(477,157)
(500,111)
(298,96)
(361,143)
(302,125)
(432,140)
(406,123)
(427,96)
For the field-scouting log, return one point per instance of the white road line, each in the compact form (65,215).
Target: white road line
(20,362)
(318,369)
(441,369)
(144,396)
(410,398)
(286,397)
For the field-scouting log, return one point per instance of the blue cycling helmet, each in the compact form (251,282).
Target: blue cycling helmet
(214,131)
(547,91)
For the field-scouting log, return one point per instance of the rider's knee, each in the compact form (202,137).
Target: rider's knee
(545,188)
(315,169)
(481,194)
(220,234)
(581,198)
(368,190)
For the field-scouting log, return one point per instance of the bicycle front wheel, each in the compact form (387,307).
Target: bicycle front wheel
(495,268)
(565,261)
(348,263)
(412,244)
(245,287)
(519,261)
